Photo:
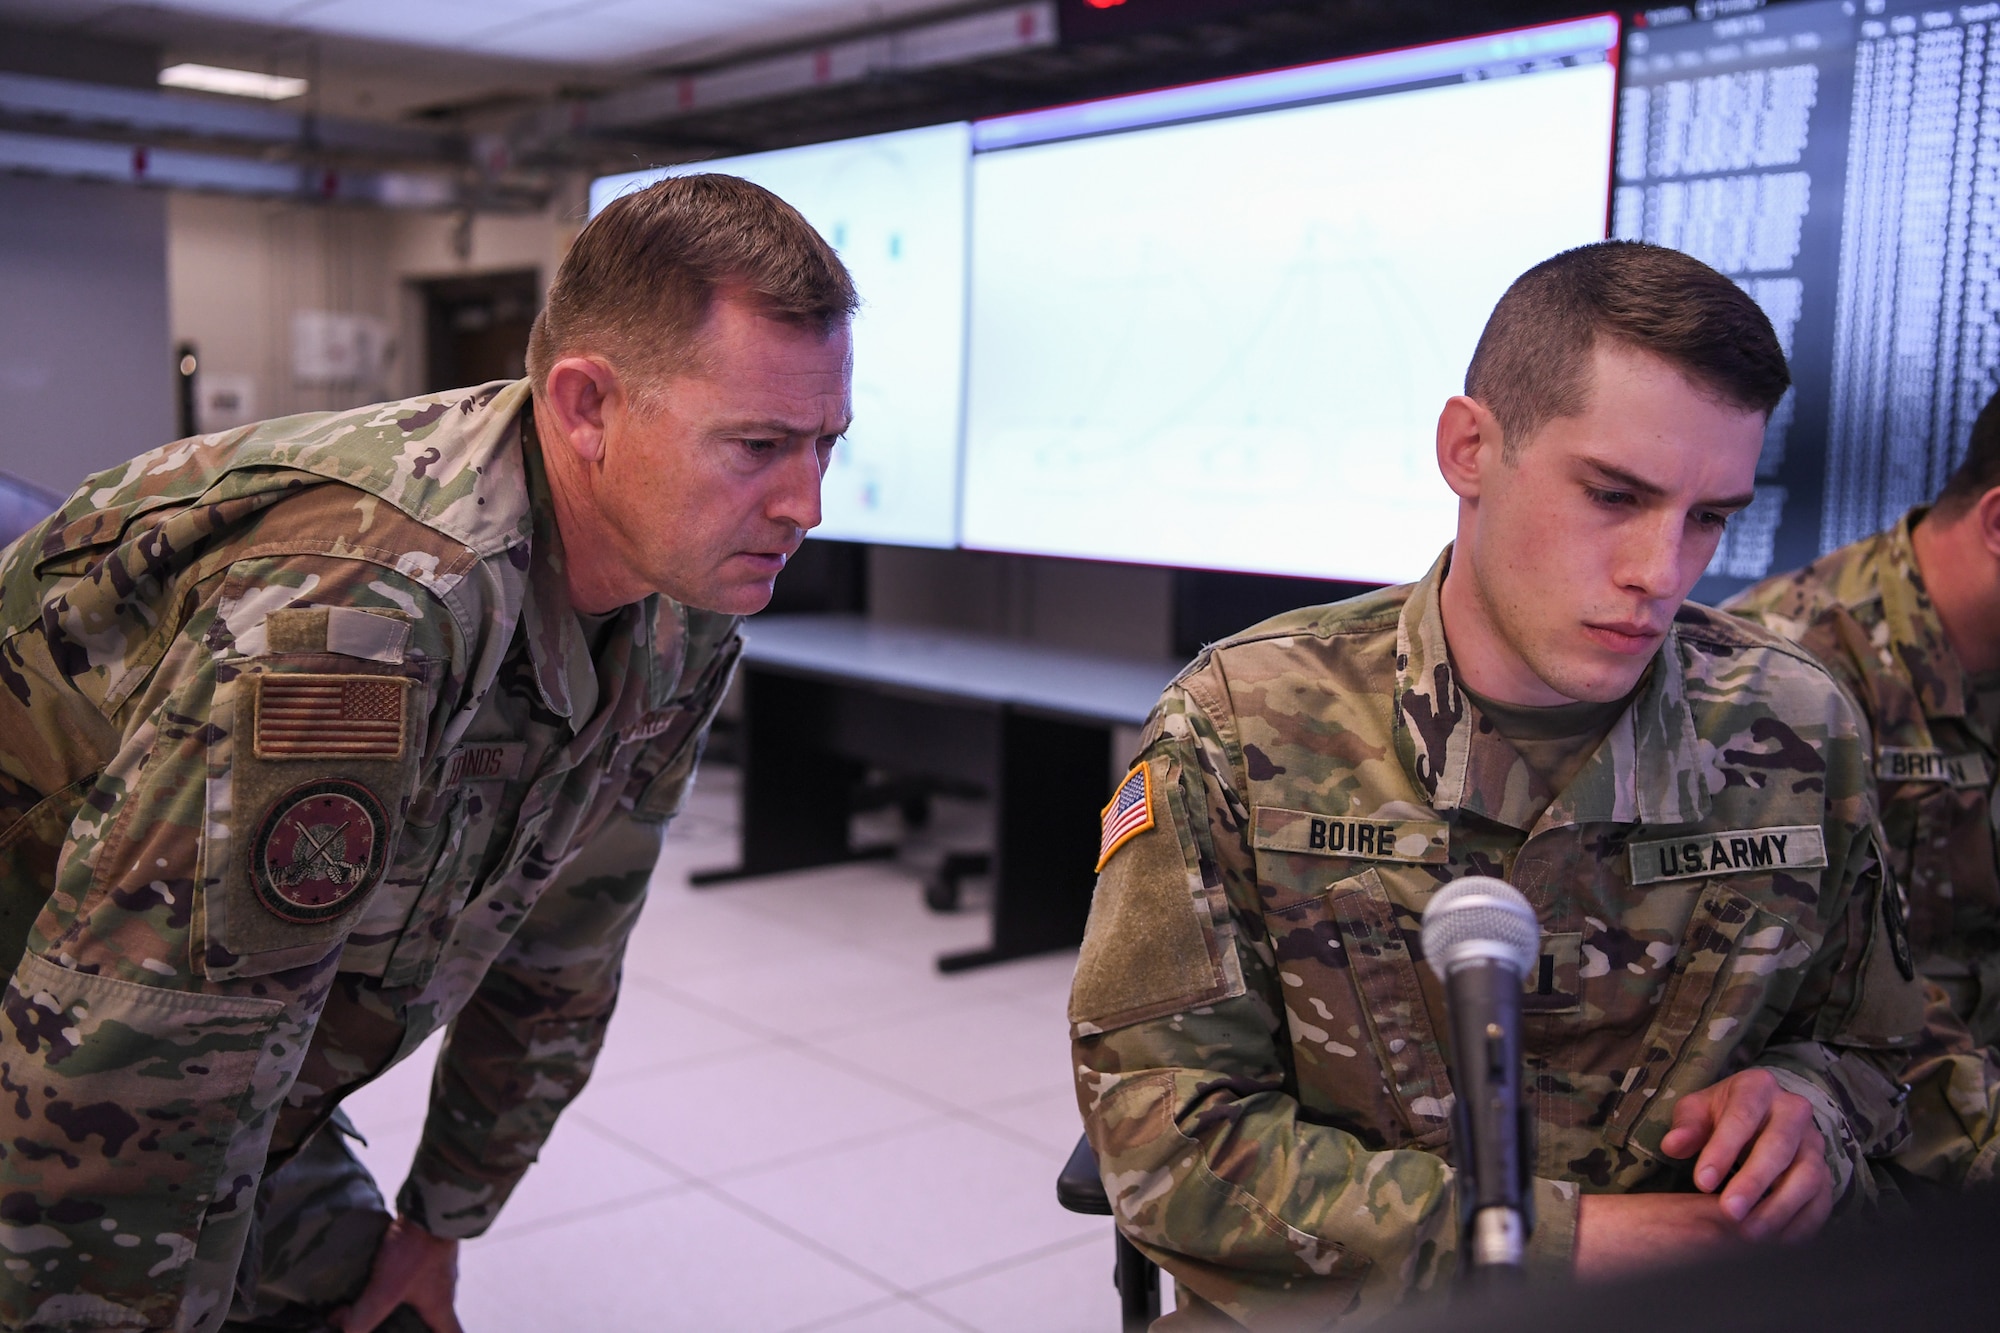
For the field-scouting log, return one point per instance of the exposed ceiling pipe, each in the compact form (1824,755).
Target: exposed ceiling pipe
(997,32)
(133,109)
(98,123)
(137,164)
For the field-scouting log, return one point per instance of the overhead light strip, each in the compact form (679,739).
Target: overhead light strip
(232,82)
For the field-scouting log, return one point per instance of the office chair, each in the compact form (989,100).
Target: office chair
(1081,1190)
(22,505)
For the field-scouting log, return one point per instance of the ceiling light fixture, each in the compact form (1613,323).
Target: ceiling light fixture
(233,82)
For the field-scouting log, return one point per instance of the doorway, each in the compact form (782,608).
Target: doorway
(476,329)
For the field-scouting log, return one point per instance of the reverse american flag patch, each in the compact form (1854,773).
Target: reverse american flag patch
(330,717)
(1129,814)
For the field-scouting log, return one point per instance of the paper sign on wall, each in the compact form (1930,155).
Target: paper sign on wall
(337,347)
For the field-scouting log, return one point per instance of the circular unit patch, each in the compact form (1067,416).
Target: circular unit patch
(322,844)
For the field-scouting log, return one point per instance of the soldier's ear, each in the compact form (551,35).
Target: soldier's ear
(1468,443)
(582,392)
(1986,513)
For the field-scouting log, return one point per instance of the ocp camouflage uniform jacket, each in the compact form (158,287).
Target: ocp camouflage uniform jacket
(1864,611)
(1260,1047)
(200,653)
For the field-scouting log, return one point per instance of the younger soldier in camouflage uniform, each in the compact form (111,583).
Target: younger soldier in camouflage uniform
(1722,996)
(1909,621)
(320,735)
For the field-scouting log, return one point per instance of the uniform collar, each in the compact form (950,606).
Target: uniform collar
(570,682)
(649,639)
(565,676)
(1646,770)
(1921,651)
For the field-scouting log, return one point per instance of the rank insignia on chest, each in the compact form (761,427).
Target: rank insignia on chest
(1916,763)
(330,717)
(1129,814)
(322,845)
(1735,852)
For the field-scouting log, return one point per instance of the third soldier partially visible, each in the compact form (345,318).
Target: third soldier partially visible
(1909,621)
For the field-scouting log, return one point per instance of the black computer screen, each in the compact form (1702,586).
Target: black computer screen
(1841,160)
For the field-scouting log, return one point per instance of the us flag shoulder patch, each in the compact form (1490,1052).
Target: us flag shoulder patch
(330,717)
(1129,814)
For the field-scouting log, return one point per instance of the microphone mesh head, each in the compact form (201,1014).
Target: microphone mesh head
(1480,917)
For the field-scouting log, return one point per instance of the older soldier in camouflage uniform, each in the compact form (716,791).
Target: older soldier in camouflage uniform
(1909,621)
(1721,999)
(320,735)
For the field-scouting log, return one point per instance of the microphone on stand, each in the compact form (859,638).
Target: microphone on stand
(1481,938)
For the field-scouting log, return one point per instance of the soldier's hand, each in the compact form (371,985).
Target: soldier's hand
(414,1268)
(1620,1234)
(1762,1141)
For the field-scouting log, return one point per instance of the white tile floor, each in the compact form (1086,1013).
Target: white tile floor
(797,1124)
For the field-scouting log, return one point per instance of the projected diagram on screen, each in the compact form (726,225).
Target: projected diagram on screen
(1225,343)
(893,205)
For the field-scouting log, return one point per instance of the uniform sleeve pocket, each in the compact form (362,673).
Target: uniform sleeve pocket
(126,1152)
(1153,945)
(308,792)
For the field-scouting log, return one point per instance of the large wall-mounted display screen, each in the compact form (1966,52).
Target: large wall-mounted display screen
(894,206)
(1212,326)
(1839,160)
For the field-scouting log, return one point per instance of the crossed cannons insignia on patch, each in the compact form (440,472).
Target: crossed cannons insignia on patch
(322,844)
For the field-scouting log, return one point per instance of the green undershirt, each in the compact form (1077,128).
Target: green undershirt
(1556,742)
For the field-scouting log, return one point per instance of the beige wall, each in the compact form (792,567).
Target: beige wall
(239,268)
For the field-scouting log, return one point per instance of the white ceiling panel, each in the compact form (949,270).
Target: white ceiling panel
(602,32)
(441,23)
(280,12)
(614,31)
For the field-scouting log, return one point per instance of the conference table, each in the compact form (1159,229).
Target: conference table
(827,697)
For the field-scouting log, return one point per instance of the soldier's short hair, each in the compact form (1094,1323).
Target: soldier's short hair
(1532,364)
(641,278)
(1979,471)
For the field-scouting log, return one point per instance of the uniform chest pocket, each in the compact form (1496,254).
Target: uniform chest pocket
(657,779)
(1364,1044)
(463,852)
(1954,882)
(1721,979)
(404,924)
